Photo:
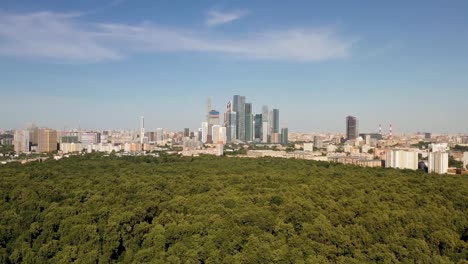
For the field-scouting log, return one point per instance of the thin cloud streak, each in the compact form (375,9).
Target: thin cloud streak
(214,17)
(63,37)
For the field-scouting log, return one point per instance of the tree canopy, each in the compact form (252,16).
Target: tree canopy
(96,209)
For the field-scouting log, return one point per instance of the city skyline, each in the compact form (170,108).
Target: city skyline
(98,65)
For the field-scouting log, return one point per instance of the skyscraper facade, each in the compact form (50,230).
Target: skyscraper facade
(258,127)
(204,130)
(284,136)
(275,125)
(248,122)
(231,127)
(142,130)
(265,124)
(351,127)
(239,108)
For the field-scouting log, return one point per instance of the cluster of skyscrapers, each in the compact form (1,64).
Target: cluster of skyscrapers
(240,125)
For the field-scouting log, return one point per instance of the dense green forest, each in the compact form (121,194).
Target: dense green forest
(96,209)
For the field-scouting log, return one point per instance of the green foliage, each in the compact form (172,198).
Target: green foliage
(455,163)
(97,209)
(460,148)
(421,145)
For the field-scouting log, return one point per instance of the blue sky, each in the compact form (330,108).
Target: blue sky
(102,64)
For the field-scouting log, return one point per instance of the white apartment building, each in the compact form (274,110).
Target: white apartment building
(438,162)
(21,141)
(401,159)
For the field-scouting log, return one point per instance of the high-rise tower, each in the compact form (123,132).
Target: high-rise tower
(142,129)
(351,127)
(249,131)
(238,106)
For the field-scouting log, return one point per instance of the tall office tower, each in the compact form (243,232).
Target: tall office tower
(402,159)
(186,132)
(142,130)
(231,127)
(275,125)
(318,142)
(159,134)
(47,140)
(248,122)
(265,129)
(199,134)
(284,136)
(226,114)
(270,125)
(239,107)
(258,127)
(213,118)
(265,124)
(204,129)
(351,127)
(21,141)
(438,162)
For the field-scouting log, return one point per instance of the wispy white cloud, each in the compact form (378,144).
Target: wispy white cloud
(52,36)
(65,37)
(215,17)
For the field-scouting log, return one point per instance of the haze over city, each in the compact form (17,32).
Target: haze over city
(102,64)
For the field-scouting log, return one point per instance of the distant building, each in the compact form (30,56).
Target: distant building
(275,138)
(88,138)
(249,129)
(318,142)
(427,135)
(219,134)
(238,106)
(186,132)
(21,141)
(351,128)
(309,147)
(275,126)
(213,119)
(438,147)
(375,136)
(402,159)
(265,124)
(258,127)
(47,140)
(70,147)
(438,162)
(284,136)
(159,134)
(465,160)
(69,139)
(204,130)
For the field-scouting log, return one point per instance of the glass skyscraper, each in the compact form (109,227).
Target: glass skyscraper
(258,126)
(284,136)
(275,126)
(351,128)
(238,104)
(248,122)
